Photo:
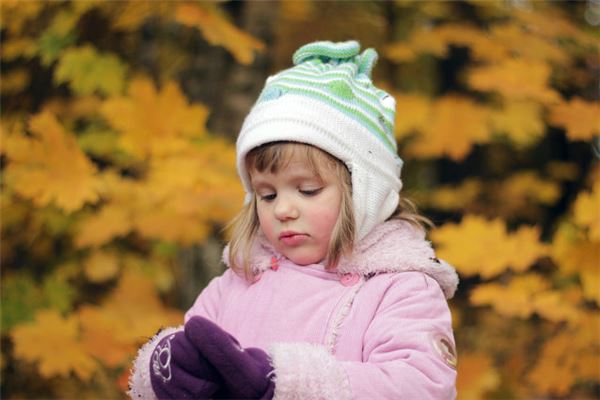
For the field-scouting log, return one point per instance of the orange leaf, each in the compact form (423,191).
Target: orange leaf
(476,376)
(218,31)
(514,299)
(101,266)
(515,79)
(155,123)
(586,211)
(521,121)
(580,118)
(478,246)
(53,342)
(50,167)
(456,124)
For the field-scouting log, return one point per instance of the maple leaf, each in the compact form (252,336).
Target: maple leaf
(574,254)
(478,246)
(412,113)
(132,314)
(14,81)
(455,197)
(521,121)
(53,342)
(476,376)
(456,124)
(130,15)
(218,31)
(103,336)
(16,14)
(50,167)
(101,266)
(515,79)
(16,47)
(154,123)
(514,299)
(88,71)
(586,211)
(554,372)
(580,118)
(58,36)
(520,42)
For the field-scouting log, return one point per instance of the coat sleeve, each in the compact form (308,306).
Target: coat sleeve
(408,352)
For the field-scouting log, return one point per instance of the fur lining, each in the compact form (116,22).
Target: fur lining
(306,371)
(394,246)
(340,316)
(140,386)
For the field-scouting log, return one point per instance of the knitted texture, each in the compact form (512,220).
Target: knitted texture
(329,101)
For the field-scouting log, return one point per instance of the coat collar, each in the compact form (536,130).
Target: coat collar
(394,246)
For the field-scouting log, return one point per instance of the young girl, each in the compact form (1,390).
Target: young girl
(332,292)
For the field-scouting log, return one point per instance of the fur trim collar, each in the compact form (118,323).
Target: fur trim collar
(394,246)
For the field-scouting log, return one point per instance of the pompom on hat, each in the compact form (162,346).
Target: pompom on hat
(327,100)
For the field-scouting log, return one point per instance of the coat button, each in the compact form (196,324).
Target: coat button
(274,264)
(349,279)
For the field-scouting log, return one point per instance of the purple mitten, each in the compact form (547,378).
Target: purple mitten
(179,371)
(246,372)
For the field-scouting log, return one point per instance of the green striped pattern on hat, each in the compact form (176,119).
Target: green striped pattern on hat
(336,74)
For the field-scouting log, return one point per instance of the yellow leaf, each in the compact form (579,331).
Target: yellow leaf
(17,47)
(412,113)
(554,372)
(556,306)
(521,121)
(155,123)
(130,15)
(573,253)
(14,81)
(477,246)
(455,197)
(520,42)
(515,79)
(476,376)
(101,266)
(586,211)
(456,124)
(218,31)
(580,118)
(136,304)
(97,229)
(50,167)
(88,71)
(53,342)
(100,338)
(514,299)
(18,14)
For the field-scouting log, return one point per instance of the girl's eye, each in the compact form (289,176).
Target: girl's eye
(311,192)
(268,197)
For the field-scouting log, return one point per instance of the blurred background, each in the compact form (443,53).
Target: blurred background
(118,173)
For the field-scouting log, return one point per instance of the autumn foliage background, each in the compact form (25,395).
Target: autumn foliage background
(118,175)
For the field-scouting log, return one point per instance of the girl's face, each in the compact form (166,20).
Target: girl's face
(297,210)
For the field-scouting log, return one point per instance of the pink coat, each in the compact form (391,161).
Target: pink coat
(378,327)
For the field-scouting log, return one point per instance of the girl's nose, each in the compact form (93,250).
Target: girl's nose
(285,208)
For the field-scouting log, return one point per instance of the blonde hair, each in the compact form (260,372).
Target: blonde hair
(273,157)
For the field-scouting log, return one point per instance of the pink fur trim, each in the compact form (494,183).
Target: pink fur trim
(307,371)
(394,246)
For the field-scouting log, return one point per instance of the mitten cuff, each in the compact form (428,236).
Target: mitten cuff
(140,386)
(307,371)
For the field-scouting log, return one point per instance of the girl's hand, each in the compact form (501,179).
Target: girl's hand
(246,372)
(179,371)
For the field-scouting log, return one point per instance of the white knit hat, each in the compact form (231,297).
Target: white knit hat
(329,101)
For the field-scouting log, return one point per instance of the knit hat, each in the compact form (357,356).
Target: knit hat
(329,101)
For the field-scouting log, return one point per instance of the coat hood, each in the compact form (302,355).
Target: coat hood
(394,246)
